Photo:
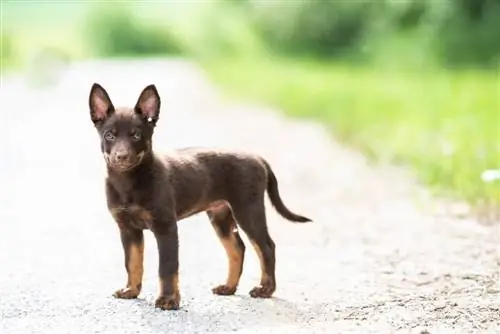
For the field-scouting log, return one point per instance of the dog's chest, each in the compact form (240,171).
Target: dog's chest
(132,215)
(125,200)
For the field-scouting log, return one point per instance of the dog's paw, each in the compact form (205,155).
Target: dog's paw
(262,291)
(224,290)
(167,302)
(126,293)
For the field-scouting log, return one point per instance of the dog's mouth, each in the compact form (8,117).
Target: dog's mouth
(123,165)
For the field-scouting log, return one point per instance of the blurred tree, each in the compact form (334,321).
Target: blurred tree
(319,27)
(404,14)
(461,32)
(469,33)
(113,31)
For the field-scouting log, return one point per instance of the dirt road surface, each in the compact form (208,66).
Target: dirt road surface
(372,261)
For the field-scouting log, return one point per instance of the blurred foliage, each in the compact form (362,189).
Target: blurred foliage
(450,33)
(460,32)
(211,29)
(469,33)
(114,31)
(318,27)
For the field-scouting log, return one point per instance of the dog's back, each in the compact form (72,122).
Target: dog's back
(227,175)
(200,176)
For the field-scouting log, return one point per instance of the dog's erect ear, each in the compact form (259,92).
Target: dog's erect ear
(99,103)
(148,104)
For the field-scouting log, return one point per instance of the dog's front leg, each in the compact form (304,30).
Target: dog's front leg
(168,250)
(133,248)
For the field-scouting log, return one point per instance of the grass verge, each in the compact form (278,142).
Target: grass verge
(445,125)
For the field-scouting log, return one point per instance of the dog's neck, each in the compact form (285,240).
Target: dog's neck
(125,182)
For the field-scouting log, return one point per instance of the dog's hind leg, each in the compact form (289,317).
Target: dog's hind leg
(251,217)
(223,222)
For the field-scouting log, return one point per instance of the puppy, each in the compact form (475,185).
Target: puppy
(146,190)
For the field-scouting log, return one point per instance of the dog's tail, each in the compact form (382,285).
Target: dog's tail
(274,196)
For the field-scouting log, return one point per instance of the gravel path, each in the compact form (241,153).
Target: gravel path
(371,262)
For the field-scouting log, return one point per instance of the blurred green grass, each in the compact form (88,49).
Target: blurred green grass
(445,125)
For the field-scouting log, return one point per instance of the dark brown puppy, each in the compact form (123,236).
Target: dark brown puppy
(146,190)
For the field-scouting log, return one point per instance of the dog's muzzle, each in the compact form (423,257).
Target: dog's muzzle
(123,162)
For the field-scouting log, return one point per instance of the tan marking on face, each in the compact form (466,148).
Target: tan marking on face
(235,260)
(140,156)
(115,212)
(106,158)
(123,168)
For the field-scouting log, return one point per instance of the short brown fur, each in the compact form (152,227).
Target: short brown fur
(147,190)
(226,229)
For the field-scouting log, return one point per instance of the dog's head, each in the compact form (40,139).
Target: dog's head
(125,133)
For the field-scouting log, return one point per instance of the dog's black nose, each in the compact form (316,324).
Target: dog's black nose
(121,156)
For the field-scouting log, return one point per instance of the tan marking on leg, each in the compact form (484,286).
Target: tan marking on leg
(235,259)
(267,283)
(264,276)
(135,265)
(135,270)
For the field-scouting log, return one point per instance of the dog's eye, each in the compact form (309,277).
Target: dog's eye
(109,136)
(136,136)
